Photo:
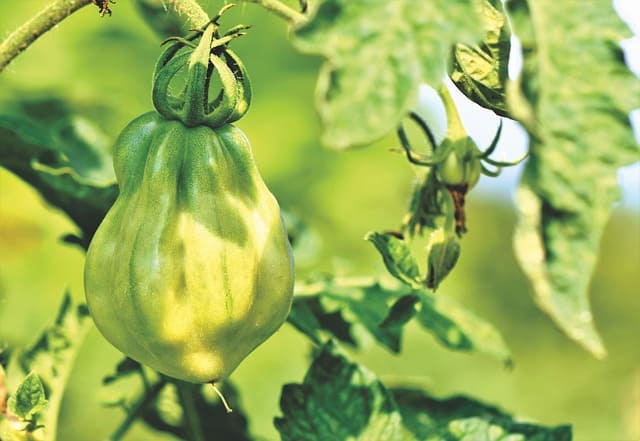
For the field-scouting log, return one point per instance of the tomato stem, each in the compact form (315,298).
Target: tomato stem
(25,35)
(222,398)
(192,10)
(294,17)
(455,129)
(186,393)
(138,408)
(58,10)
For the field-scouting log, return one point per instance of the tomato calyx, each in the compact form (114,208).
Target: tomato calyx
(460,167)
(454,164)
(202,61)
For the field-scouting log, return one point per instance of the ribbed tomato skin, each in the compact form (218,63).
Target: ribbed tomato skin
(191,269)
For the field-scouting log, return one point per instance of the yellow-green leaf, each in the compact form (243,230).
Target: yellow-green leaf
(480,71)
(378,52)
(575,99)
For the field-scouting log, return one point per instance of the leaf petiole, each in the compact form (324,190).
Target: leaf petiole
(150,394)
(295,18)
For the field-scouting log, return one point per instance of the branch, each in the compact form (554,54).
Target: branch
(58,10)
(294,17)
(185,396)
(192,10)
(138,408)
(29,32)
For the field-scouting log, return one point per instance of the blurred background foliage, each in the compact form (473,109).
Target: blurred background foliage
(103,68)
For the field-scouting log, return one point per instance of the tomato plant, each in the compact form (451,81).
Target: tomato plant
(211,294)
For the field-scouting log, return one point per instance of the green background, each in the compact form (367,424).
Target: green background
(104,67)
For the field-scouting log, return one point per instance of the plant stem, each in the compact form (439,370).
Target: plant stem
(37,25)
(192,10)
(186,394)
(294,17)
(149,395)
(455,129)
(58,10)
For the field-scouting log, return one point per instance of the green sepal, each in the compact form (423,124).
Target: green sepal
(192,105)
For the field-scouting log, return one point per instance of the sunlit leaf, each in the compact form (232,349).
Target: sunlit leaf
(464,419)
(377,55)
(397,258)
(444,250)
(351,311)
(575,100)
(458,328)
(480,71)
(339,400)
(356,311)
(29,398)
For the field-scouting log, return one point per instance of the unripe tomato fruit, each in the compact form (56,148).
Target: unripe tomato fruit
(459,167)
(191,268)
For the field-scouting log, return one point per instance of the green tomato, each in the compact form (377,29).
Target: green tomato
(460,166)
(191,268)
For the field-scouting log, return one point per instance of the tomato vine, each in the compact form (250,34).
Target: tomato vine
(189,265)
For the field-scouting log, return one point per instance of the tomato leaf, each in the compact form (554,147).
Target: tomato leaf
(352,311)
(397,258)
(426,206)
(40,154)
(444,250)
(339,400)
(462,418)
(480,71)
(53,355)
(377,55)
(401,312)
(575,98)
(356,311)
(458,328)
(29,398)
